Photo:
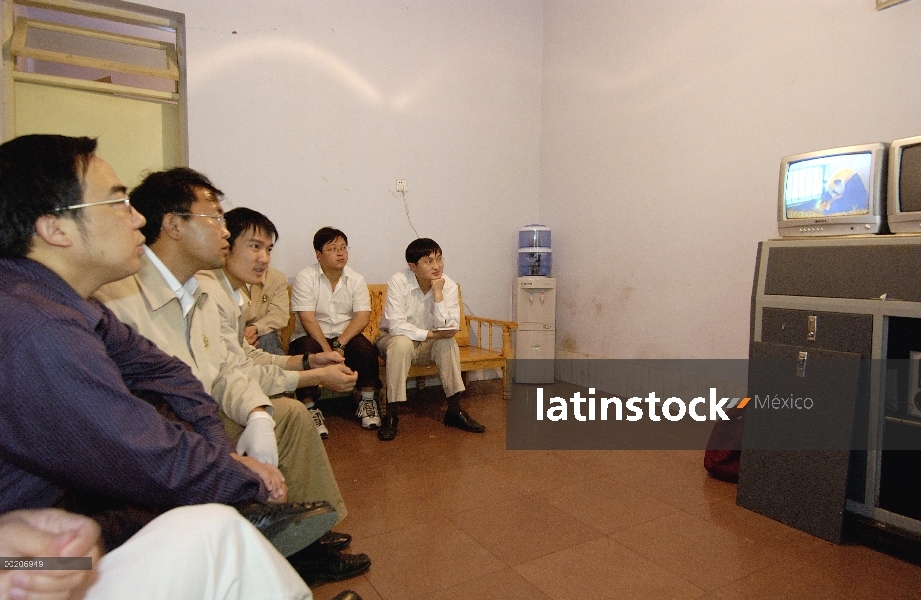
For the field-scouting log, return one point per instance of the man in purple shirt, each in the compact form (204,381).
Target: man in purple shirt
(73,431)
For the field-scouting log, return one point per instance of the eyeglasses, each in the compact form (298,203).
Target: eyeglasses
(124,201)
(219,218)
(432,261)
(337,250)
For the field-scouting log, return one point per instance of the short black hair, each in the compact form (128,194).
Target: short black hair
(165,192)
(420,248)
(242,219)
(39,175)
(325,235)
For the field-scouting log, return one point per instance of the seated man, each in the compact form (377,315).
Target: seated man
(267,309)
(73,431)
(420,318)
(165,302)
(207,552)
(252,239)
(333,308)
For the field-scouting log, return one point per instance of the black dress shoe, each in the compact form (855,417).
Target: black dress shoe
(388,429)
(347,595)
(462,420)
(316,563)
(335,541)
(292,526)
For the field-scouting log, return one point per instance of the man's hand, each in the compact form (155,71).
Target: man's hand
(322,359)
(271,477)
(338,378)
(53,533)
(258,438)
(251,335)
(438,287)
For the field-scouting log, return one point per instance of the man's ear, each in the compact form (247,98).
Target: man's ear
(56,231)
(412,266)
(171,226)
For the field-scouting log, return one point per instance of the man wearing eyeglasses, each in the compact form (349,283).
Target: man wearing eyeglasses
(168,304)
(73,432)
(420,318)
(333,308)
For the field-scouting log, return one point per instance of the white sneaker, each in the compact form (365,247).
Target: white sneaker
(317,415)
(367,410)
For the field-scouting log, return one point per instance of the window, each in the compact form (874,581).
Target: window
(105,69)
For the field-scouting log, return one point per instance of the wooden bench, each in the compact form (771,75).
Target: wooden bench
(477,341)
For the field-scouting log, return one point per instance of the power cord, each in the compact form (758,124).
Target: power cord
(408,218)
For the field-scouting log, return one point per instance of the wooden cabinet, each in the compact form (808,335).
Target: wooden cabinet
(837,300)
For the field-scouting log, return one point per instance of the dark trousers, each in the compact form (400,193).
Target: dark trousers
(360,356)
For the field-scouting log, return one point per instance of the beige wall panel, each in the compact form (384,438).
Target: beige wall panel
(134,135)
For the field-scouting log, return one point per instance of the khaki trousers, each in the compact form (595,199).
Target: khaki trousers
(302,458)
(400,353)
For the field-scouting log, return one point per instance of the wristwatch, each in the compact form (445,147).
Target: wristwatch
(306,361)
(336,344)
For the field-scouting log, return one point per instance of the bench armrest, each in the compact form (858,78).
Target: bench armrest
(504,324)
(507,327)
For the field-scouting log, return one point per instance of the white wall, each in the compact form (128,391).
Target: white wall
(663,128)
(647,135)
(309,110)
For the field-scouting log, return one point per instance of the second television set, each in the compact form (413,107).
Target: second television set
(904,192)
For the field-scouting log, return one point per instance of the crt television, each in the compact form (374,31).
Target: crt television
(904,204)
(841,191)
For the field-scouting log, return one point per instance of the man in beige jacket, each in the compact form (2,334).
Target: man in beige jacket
(267,310)
(185,233)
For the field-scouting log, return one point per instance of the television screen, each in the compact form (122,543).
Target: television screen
(910,179)
(828,186)
(841,191)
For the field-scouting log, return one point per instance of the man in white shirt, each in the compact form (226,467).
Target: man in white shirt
(333,308)
(420,318)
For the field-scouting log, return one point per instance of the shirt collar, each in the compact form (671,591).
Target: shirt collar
(226,283)
(343,277)
(413,282)
(185,292)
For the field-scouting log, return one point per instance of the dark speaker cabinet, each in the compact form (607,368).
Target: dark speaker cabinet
(834,302)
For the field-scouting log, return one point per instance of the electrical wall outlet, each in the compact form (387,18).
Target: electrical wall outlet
(401,185)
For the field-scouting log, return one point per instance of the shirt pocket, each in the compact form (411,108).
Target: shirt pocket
(341,305)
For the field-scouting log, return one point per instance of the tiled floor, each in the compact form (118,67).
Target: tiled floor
(451,515)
